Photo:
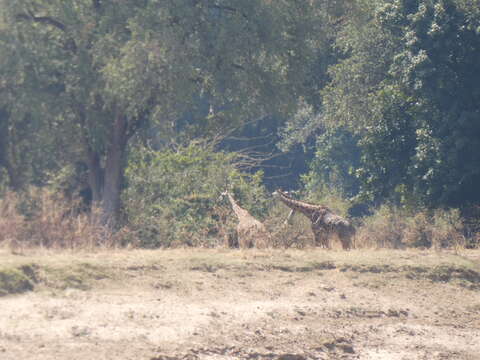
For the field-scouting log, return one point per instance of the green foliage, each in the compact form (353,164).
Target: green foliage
(439,67)
(332,199)
(100,71)
(25,142)
(333,167)
(172,196)
(389,136)
(408,88)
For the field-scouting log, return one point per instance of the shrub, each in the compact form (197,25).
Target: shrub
(385,228)
(172,196)
(417,230)
(447,229)
(297,233)
(395,227)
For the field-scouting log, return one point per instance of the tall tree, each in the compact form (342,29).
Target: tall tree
(22,134)
(408,87)
(439,67)
(119,65)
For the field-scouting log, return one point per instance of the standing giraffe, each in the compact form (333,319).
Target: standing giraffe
(250,231)
(324,221)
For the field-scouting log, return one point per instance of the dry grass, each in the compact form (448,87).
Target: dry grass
(42,219)
(391,227)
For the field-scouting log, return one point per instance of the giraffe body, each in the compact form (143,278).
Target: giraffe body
(324,222)
(250,231)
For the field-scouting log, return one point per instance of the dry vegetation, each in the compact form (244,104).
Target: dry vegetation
(230,304)
(42,219)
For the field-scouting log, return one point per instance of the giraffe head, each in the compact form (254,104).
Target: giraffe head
(276,194)
(223,195)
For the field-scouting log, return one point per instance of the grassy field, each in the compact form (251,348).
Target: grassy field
(229,304)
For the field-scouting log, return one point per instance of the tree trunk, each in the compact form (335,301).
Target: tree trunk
(7,152)
(114,169)
(14,178)
(95,177)
(13,167)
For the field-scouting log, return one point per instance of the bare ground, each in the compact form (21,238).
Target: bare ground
(230,304)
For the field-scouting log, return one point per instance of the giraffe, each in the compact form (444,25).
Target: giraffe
(324,221)
(250,231)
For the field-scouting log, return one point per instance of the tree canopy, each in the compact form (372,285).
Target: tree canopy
(408,88)
(106,69)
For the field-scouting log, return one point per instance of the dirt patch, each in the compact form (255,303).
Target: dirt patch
(209,304)
(331,348)
(376,269)
(205,267)
(441,273)
(325,265)
(445,273)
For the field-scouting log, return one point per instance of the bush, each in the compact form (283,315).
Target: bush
(417,231)
(447,229)
(172,197)
(384,229)
(296,234)
(394,227)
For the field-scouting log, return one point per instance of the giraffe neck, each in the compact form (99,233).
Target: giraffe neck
(297,205)
(236,208)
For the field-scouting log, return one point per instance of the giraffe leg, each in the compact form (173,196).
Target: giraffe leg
(288,220)
(326,240)
(344,241)
(320,238)
(345,236)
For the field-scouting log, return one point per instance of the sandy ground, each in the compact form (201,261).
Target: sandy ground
(288,305)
